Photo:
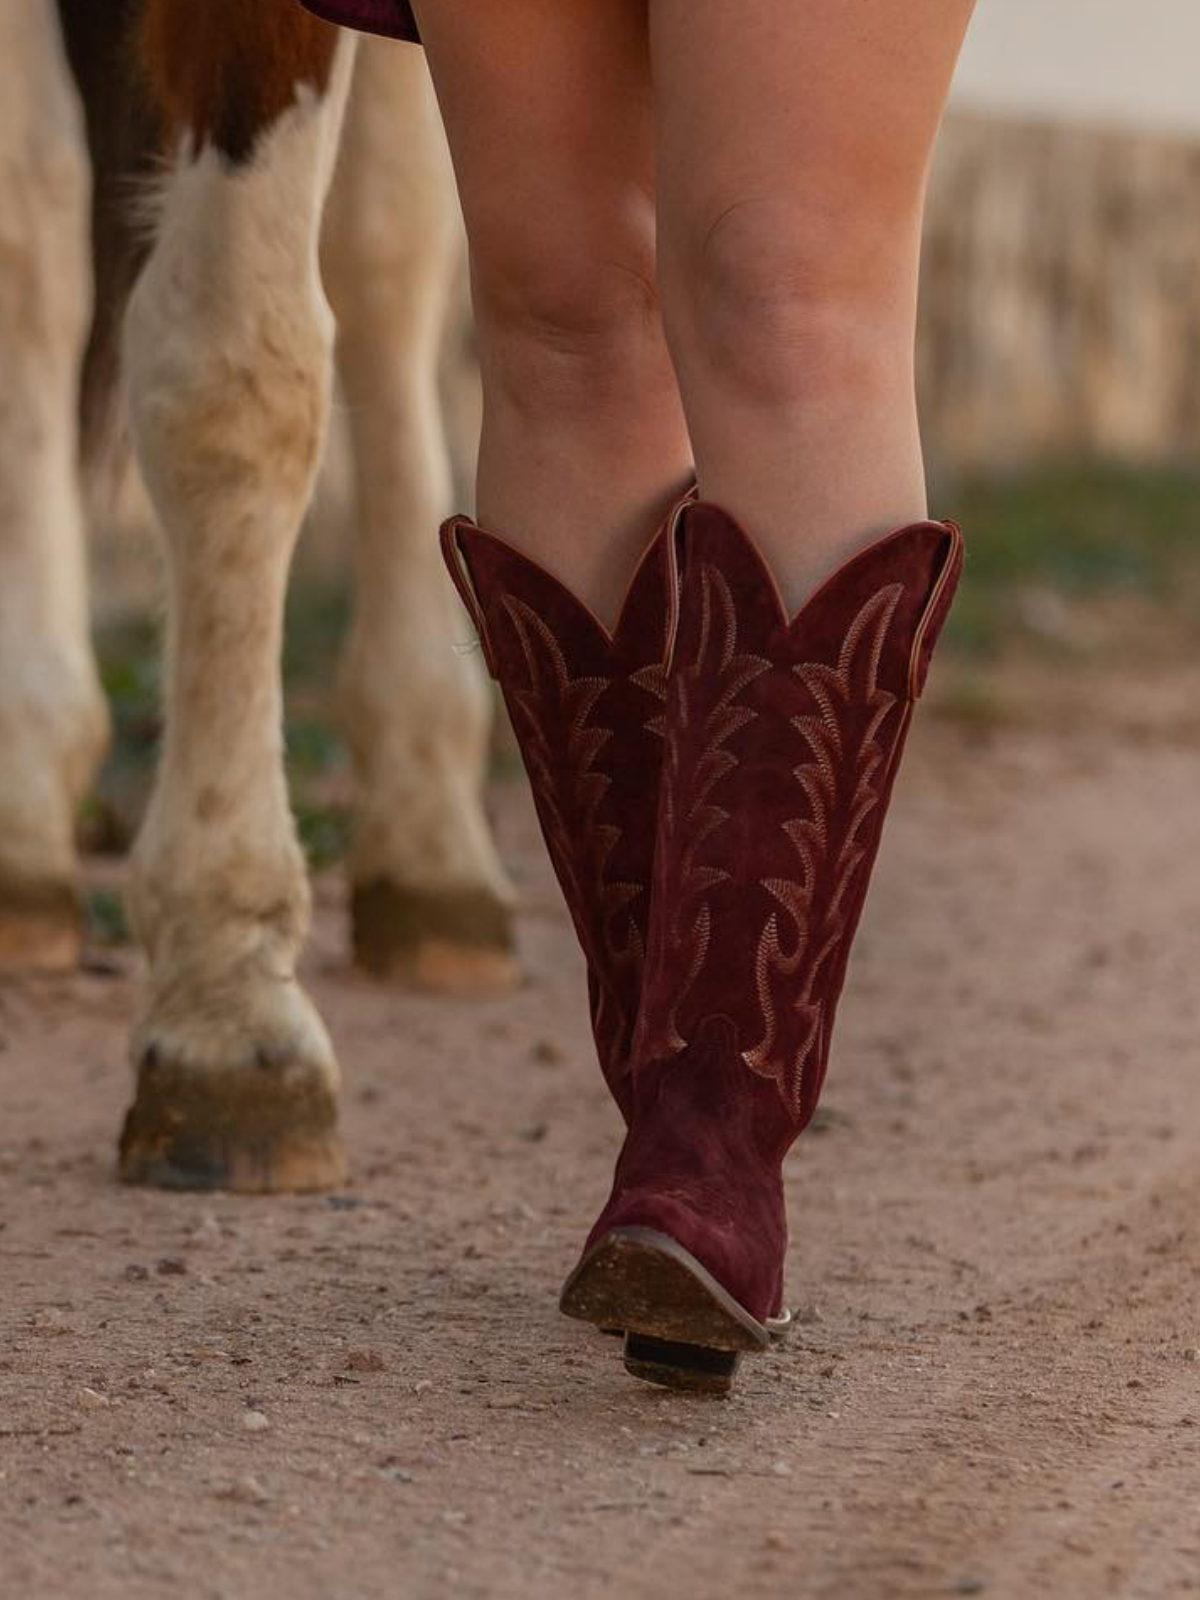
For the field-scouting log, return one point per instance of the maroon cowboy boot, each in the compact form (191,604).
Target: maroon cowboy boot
(587,708)
(782,745)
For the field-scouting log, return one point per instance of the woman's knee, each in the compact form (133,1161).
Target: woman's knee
(783,299)
(567,313)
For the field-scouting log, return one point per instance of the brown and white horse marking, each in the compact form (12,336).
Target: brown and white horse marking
(228,346)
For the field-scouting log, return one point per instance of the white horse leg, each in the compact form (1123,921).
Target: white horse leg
(229,354)
(53,723)
(430,901)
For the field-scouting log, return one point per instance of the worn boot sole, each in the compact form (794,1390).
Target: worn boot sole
(682,1329)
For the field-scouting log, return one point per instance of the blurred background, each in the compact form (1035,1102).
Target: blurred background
(1060,341)
(1060,387)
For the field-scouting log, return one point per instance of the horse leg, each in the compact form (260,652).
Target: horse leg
(53,723)
(430,901)
(228,350)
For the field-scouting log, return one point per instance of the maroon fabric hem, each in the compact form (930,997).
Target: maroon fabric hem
(391,18)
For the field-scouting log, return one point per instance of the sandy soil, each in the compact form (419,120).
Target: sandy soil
(995,1387)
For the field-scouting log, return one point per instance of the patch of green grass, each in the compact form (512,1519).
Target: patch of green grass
(130,658)
(107,923)
(315,624)
(130,672)
(313,746)
(324,830)
(1077,532)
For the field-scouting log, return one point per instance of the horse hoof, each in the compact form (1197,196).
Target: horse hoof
(449,942)
(246,1130)
(41,928)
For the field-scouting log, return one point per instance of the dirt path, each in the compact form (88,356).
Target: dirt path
(996,1385)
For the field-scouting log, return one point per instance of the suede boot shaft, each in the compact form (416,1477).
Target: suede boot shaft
(586,706)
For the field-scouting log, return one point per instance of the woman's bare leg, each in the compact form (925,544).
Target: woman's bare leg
(794,138)
(548,110)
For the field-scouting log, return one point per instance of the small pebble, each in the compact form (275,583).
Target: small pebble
(245,1489)
(91,1399)
(254,1422)
(206,1233)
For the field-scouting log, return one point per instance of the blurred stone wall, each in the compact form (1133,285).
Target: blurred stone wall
(1061,302)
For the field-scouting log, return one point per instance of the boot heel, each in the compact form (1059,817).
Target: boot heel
(683,1329)
(694,1367)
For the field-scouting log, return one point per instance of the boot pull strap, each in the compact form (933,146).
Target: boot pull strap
(935,613)
(456,562)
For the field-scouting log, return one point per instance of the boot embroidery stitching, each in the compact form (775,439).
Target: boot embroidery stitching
(689,816)
(585,743)
(653,680)
(784,1052)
